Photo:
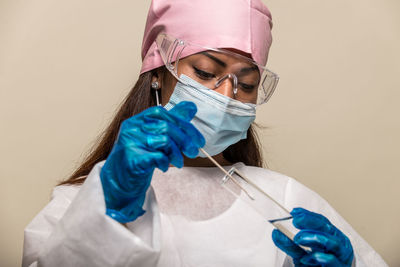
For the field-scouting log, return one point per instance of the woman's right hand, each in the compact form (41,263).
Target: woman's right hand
(151,139)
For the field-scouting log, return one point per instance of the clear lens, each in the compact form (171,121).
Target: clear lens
(249,82)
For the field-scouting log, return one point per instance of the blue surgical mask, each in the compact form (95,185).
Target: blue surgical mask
(223,121)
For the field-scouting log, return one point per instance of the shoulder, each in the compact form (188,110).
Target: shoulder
(41,226)
(66,192)
(61,198)
(263,175)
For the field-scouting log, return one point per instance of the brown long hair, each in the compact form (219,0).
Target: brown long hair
(140,98)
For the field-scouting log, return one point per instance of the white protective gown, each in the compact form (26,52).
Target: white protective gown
(190,221)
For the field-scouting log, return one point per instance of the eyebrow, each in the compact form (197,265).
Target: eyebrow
(248,69)
(217,60)
(243,71)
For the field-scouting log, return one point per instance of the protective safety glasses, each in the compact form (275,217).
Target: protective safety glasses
(248,81)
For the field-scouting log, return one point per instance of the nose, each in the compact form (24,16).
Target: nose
(225,88)
(227,85)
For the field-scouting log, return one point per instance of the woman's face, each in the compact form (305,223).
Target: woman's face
(208,67)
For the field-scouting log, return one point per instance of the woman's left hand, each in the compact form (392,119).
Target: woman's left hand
(330,247)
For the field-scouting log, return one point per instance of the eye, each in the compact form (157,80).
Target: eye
(203,74)
(246,87)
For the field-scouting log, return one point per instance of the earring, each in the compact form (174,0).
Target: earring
(155,85)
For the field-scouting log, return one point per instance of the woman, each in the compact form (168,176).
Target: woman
(201,79)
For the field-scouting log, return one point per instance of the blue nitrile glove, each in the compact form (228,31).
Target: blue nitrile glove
(151,139)
(330,247)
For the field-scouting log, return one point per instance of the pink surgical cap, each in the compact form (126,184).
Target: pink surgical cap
(240,24)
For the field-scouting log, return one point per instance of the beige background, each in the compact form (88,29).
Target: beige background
(333,123)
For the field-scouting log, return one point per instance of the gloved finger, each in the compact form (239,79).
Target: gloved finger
(144,160)
(188,128)
(159,160)
(165,144)
(322,259)
(318,241)
(182,140)
(133,135)
(184,110)
(287,245)
(326,243)
(304,219)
